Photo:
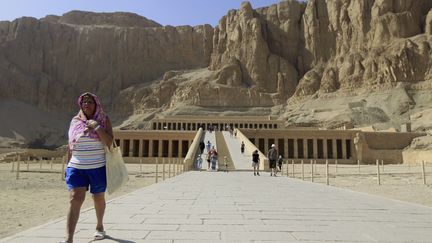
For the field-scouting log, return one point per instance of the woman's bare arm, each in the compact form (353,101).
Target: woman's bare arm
(106,135)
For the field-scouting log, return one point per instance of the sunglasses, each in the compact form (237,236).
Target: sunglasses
(88,102)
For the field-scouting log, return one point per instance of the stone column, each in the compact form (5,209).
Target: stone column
(295,148)
(266,146)
(344,149)
(160,148)
(315,148)
(131,148)
(170,148)
(180,148)
(150,150)
(305,148)
(285,147)
(334,148)
(325,154)
(140,148)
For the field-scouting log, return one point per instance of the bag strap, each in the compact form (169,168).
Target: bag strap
(114,144)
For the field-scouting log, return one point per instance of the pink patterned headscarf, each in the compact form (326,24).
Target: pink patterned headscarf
(78,123)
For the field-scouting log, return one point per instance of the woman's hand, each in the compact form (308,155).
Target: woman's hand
(91,124)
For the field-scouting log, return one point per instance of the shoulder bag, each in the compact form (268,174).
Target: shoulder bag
(116,172)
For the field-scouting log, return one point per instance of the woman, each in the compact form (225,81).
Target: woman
(213,158)
(89,132)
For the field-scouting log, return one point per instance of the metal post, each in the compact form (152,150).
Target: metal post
(302,170)
(336,165)
(287,168)
(18,167)
(63,162)
(358,164)
(293,169)
(423,172)
(163,169)
(183,166)
(157,168)
(315,165)
(169,168)
(13,164)
(327,172)
(378,172)
(281,168)
(312,171)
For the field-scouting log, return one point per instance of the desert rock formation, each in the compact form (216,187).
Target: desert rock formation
(48,62)
(306,62)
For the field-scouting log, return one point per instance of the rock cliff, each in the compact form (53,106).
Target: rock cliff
(48,62)
(306,62)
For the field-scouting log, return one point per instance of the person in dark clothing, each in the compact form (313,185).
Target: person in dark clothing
(280,162)
(255,162)
(272,156)
(242,147)
(201,146)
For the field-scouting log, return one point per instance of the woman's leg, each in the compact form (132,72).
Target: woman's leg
(76,199)
(99,204)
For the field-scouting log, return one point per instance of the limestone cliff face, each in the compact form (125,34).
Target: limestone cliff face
(365,43)
(324,46)
(264,44)
(48,62)
(274,56)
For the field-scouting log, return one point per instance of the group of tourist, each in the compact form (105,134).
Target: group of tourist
(211,157)
(273,157)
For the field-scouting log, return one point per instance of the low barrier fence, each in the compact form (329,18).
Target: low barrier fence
(161,169)
(331,170)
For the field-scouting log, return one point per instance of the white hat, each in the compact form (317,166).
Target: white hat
(273,145)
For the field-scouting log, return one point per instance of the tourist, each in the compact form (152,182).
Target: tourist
(255,162)
(226,163)
(208,146)
(280,162)
(89,132)
(208,160)
(272,155)
(242,147)
(201,147)
(199,163)
(213,158)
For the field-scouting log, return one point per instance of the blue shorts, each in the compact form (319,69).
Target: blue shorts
(95,178)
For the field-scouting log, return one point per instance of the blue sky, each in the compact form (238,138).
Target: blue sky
(165,12)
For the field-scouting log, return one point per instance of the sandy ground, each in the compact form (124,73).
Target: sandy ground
(40,195)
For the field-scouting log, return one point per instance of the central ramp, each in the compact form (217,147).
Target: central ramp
(240,207)
(241,161)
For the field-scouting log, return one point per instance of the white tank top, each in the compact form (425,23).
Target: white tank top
(88,153)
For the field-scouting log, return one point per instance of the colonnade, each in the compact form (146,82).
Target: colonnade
(172,148)
(307,148)
(192,126)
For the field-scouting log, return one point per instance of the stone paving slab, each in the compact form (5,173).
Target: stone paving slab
(240,207)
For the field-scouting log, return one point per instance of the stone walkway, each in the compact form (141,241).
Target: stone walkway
(239,207)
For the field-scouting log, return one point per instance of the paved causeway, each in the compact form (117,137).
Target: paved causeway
(240,207)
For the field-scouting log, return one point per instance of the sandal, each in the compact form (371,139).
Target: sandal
(99,235)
